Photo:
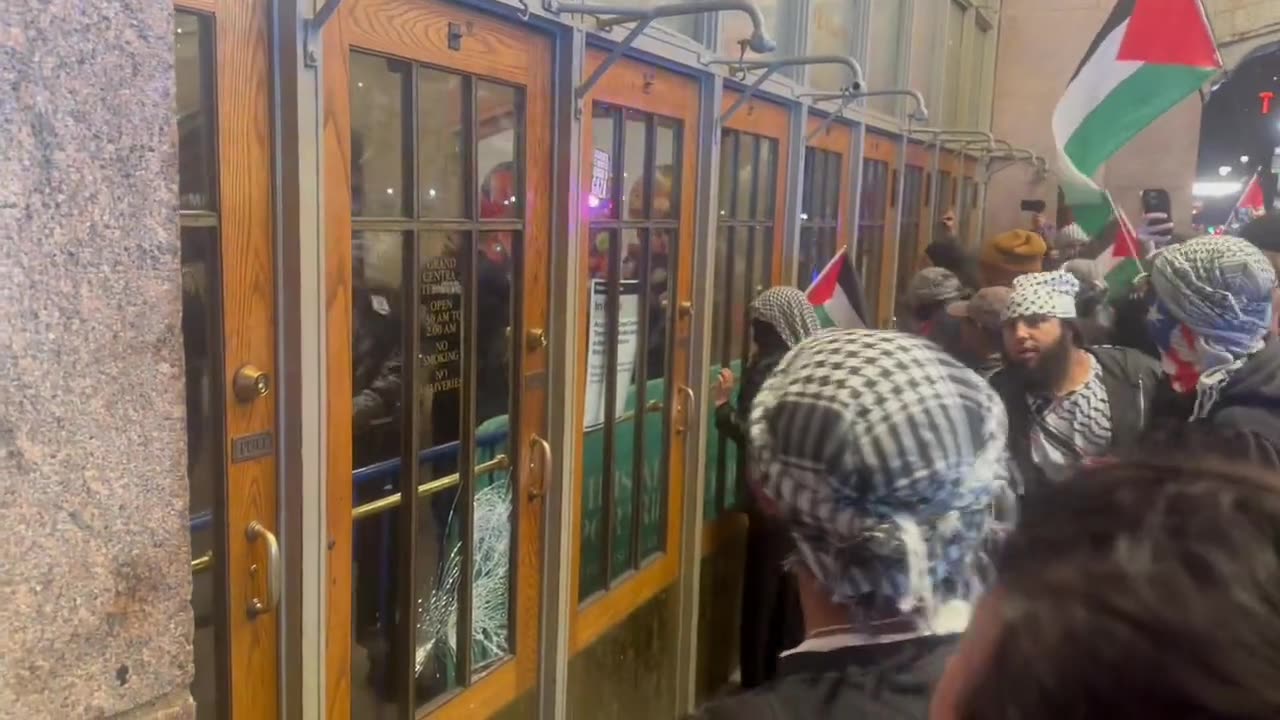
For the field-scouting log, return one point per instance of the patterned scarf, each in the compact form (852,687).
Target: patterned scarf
(886,458)
(788,311)
(1211,310)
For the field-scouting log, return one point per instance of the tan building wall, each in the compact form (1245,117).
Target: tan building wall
(1041,42)
(95,619)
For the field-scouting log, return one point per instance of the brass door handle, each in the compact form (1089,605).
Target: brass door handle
(250,383)
(535,339)
(685,309)
(256,605)
(539,446)
(688,408)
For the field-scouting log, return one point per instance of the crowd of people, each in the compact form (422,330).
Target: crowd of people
(1048,498)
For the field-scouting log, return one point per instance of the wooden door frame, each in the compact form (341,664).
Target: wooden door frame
(515,55)
(837,138)
(242,118)
(883,147)
(768,119)
(633,84)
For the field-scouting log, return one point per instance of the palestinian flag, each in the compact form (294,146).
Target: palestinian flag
(1250,205)
(836,294)
(1148,56)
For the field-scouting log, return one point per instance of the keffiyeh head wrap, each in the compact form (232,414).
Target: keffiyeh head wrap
(1049,294)
(885,457)
(788,311)
(1212,310)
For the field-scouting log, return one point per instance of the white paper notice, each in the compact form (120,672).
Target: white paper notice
(600,174)
(628,344)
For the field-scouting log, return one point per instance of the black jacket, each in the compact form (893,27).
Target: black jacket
(1249,407)
(893,681)
(1130,379)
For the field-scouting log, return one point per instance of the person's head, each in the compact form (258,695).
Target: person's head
(780,318)
(884,457)
(1143,589)
(1008,255)
(1040,333)
(947,221)
(1093,288)
(929,291)
(980,323)
(1211,305)
(1264,233)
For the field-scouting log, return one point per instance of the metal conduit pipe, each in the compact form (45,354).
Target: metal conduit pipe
(920,114)
(772,66)
(612,15)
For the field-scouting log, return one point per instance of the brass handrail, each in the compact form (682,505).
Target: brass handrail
(381,505)
(202,563)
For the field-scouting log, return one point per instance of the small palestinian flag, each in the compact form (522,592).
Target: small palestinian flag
(1148,56)
(1250,205)
(836,294)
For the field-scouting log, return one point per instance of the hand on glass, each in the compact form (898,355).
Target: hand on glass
(724,386)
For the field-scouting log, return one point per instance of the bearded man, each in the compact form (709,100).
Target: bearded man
(1067,403)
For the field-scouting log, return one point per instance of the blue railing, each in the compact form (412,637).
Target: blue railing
(387,468)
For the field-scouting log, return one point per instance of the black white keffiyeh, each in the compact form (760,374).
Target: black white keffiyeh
(886,457)
(1047,294)
(788,311)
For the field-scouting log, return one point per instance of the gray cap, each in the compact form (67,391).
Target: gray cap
(985,307)
(934,285)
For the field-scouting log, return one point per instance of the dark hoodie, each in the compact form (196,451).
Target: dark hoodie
(1247,411)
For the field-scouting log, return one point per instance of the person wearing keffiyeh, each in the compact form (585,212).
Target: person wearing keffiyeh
(1211,316)
(1068,403)
(781,318)
(884,457)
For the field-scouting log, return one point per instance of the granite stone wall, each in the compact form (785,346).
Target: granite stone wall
(95,618)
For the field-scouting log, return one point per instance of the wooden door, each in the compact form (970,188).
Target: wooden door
(228,290)
(754,156)
(825,199)
(437,152)
(876,232)
(632,400)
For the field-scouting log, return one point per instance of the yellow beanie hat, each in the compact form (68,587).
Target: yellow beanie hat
(1016,251)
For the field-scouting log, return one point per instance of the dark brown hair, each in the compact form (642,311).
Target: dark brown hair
(1140,589)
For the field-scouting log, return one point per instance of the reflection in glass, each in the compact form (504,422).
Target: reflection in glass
(747,172)
(202,349)
(884,66)
(602,193)
(634,162)
(595,461)
(728,159)
(871,218)
(499,122)
(194,67)
(495,524)
(376,425)
(831,205)
(666,191)
(629,388)
(441,515)
(381,164)
(442,123)
(831,32)
(766,178)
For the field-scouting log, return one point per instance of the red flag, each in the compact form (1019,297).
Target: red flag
(1170,32)
(1251,199)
